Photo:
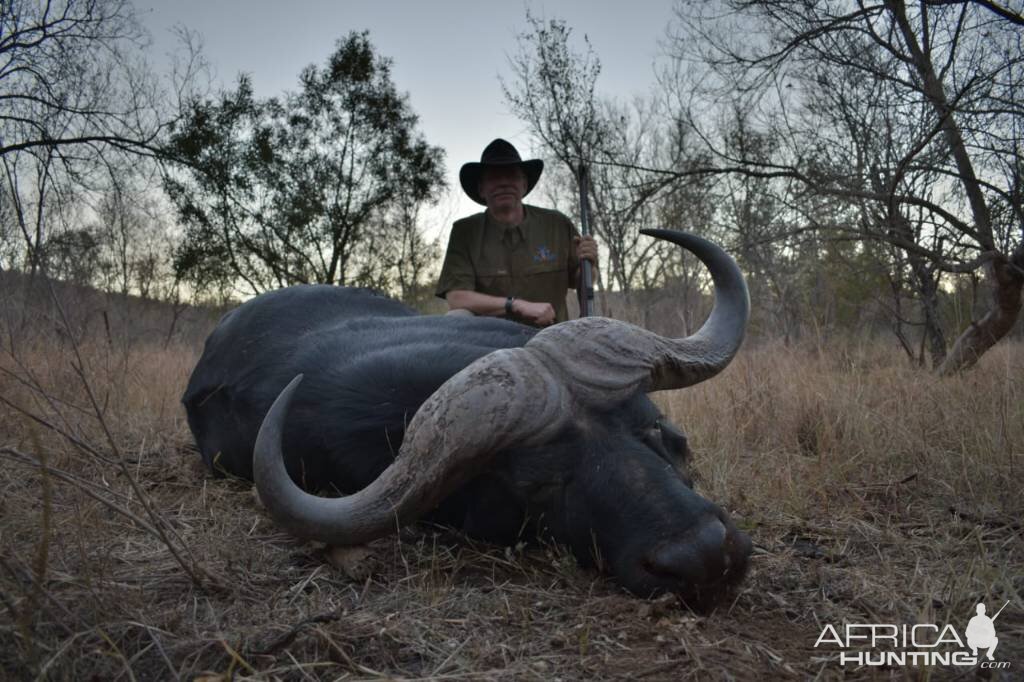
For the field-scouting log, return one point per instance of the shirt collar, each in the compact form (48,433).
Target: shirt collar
(512,234)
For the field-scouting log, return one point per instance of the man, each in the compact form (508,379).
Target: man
(512,260)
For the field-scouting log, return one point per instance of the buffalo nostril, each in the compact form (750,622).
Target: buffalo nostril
(698,557)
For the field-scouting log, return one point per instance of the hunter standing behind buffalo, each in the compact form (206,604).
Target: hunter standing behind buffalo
(512,260)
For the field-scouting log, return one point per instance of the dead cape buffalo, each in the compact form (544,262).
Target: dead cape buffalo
(483,424)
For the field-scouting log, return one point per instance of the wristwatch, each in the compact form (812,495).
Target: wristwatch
(509,313)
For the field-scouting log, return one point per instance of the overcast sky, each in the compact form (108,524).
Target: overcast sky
(447,54)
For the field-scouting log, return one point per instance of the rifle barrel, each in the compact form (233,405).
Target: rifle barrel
(587,277)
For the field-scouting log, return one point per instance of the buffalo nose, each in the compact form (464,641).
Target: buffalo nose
(711,552)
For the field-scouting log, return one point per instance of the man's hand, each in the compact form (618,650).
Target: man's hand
(586,249)
(537,314)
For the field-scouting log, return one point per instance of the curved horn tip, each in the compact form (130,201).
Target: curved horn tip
(272,424)
(293,384)
(718,340)
(290,388)
(678,237)
(284,398)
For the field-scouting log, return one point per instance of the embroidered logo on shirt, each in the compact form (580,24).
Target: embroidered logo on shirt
(544,255)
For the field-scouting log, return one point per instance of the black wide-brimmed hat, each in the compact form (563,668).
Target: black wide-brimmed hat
(498,153)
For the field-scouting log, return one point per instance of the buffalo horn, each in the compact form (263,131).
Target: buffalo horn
(517,396)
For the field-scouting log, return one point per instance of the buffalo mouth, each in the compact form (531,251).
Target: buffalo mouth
(701,563)
(702,577)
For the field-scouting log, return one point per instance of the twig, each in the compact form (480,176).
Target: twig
(869,486)
(57,654)
(120,654)
(340,652)
(236,658)
(77,442)
(160,648)
(41,559)
(286,638)
(14,574)
(662,668)
(191,567)
(986,521)
(34,385)
(81,484)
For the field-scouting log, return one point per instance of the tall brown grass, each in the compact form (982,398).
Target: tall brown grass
(823,421)
(873,490)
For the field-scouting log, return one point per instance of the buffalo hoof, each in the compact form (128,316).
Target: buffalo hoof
(358,562)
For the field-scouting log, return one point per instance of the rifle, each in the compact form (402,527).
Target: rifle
(586,292)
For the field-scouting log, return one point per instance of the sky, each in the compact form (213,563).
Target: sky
(447,56)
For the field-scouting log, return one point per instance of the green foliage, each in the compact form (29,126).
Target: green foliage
(305,187)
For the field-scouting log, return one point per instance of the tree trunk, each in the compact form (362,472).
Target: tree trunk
(923,280)
(929,289)
(1007,279)
(1006,275)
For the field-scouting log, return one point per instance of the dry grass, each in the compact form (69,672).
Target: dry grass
(874,493)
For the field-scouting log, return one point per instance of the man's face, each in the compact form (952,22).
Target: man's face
(502,186)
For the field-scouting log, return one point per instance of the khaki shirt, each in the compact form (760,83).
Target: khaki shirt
(535,260)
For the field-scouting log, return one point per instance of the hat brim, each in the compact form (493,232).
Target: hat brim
(469,176)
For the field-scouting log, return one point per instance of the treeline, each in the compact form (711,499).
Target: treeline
(151,184)
(863,163)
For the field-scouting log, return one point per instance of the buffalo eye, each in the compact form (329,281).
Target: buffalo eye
(674,440)
(669,442)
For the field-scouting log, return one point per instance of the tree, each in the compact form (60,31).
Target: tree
(754,217)
(70,80)
(910,116)
(133,237)
(553,89)
(279,191)
(76,100)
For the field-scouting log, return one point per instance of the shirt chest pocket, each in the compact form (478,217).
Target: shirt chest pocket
(544,281)
(543,269)
(496,281)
